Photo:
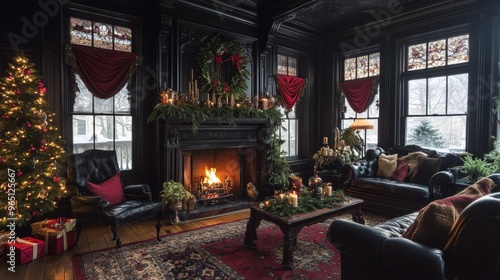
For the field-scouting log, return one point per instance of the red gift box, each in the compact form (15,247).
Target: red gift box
(58,234)
(26,250)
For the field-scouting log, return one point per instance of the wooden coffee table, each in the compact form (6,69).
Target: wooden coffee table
(291,226)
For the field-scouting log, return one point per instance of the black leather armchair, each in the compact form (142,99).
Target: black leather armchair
(472,250)
(96,166)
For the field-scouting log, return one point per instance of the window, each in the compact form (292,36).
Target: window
(358,67)
(436,93)
(102,123)
(287,65)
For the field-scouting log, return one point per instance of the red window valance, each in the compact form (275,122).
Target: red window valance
(290,89)
(360,93)
(104,72)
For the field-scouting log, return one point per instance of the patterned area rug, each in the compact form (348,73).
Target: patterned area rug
(217,252)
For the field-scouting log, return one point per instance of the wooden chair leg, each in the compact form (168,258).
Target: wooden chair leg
(158,225)
(116,238)
(78,231)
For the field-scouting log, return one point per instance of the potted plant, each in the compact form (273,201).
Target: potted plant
(476,168)
(173,193)
(353,140)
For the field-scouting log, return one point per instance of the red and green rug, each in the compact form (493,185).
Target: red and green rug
(217,252)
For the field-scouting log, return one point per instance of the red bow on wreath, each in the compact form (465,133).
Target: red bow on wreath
(218,59)
(236,59)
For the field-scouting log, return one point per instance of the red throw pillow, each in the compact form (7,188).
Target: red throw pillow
(110,190)
(401,171)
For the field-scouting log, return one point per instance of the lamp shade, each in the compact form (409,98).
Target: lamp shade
(361,124)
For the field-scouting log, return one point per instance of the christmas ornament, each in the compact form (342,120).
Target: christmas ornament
(39,84)
(35,213)
(28,124)
(6,117)
(43,90)
(44,130)
(43,194)
(42,149)
(43,142)
(17,91)
(57,179)
(13,105)
(27,71)
(2,160)
(42,118)
(32,182)
(32,149)
(19,173)
(10,77)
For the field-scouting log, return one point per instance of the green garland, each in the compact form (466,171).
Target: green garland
(210,58)
(306,203)
(197,114)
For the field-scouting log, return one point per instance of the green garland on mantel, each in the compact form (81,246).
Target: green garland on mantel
(197,114)
(306,203)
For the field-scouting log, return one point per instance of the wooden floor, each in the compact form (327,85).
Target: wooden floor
(93,238)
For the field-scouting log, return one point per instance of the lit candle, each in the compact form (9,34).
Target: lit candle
(163,97)
(294,199)
(325,140)
(328,190)
(170,101)
(282,196)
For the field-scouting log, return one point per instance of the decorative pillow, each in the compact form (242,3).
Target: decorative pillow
(425,169)
(110,190)
(386,165)
(434,221)
(412,160)
(401,171)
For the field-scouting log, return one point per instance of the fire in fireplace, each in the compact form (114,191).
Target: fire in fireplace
(211,188)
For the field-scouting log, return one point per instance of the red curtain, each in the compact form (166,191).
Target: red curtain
(290,89)
(359,93)
(104,72)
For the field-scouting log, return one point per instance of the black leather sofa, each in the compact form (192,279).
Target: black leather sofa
(359,179)
(472,250)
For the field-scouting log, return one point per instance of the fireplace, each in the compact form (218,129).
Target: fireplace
(234,151)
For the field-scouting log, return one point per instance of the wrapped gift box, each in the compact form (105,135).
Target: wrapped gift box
(4,236)
(58,234)
(26,250)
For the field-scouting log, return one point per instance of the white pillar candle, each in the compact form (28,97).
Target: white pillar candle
(294,199)
(328,190)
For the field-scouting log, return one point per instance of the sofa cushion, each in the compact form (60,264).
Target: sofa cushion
(390,188)
(386,165)
(425,169)
(110,190)
(434,221)
(412,160)
(401,171)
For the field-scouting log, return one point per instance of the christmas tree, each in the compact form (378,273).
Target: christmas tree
(426,135)
(32,156)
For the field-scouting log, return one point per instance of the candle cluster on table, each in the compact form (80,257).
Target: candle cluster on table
(169,96)
(289,203)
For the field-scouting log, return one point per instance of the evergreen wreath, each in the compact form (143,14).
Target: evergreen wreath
(210,59)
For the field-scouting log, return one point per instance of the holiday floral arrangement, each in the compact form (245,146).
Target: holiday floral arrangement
(283,205)
(331,160)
